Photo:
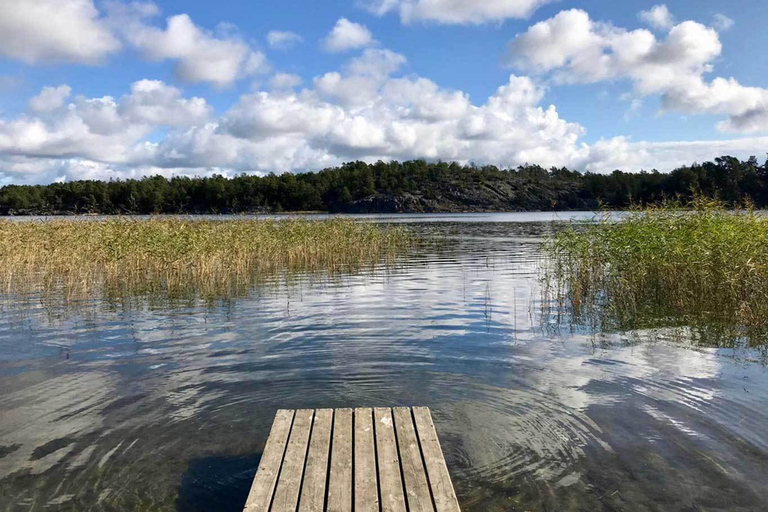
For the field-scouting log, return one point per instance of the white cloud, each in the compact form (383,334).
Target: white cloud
(154,103)
(100,129)
(576,49)
(658,17)
(42,31)
(362,79)
(283,39)
(285,81)
(722,23)
(395,118)
(347,35)
(367,110)
(50,98)
(36,31)
(200,55)
(266,132)
(376,63)
(621,153)
(456,11)
(421,98)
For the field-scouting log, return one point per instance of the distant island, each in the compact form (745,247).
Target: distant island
(394,187)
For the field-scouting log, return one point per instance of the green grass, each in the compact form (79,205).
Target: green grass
(74,259)
(671,265)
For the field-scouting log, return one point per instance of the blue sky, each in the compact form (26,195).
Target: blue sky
(119,89)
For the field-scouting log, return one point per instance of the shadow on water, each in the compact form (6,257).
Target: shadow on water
(217,483)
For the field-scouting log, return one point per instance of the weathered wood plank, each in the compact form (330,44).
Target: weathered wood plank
(340,479)
(437,472)
(316,472)
(264,483)
(366,485)
(289,484)
(390,484)
(308,463)
(414,476)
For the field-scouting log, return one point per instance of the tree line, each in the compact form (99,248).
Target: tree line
(395,186)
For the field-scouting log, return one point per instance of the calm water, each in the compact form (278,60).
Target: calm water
(162,407)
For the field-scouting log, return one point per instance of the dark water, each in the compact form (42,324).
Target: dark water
(162,407)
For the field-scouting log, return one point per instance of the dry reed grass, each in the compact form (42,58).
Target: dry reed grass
(697,265)
(76,259)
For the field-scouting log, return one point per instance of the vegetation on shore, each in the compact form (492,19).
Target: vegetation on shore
(415,186)
(695,265)
(183,258)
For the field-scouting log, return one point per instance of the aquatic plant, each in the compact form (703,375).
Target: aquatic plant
(175,257)
(671,265)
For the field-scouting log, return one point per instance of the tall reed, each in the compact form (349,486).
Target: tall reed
(74,259)
(674,264)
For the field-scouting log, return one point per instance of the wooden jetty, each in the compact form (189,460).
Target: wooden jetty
(366,460)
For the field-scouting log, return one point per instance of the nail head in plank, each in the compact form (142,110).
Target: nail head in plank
(414,477)
(292,472)
(316,472)
(366,484)
(390,483)
(340,479)
(265,480)
(437,471)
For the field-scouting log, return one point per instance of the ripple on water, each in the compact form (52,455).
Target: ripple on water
(167,407)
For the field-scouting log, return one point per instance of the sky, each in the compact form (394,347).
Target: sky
(114,89)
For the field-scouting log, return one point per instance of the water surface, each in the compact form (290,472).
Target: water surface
(156,406)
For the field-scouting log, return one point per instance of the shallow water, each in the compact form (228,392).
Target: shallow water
(166,407)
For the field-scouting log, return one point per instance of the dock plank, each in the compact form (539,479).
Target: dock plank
(361,460)
(437,471)
(366,482)
(316,472)
(292,472)
(390,485)
(260,496)
(414,477)
(340,479)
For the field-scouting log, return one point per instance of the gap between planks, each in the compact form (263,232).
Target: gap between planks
(343,460)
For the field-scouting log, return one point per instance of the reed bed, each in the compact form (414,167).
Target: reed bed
(123,257)
(672,265)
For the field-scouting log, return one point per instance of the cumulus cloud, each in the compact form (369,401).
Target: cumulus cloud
(621,153)
(154,103)
(576,49)
(658,17)
(366,110)
(266,132)
(29,171)
(347,35)
(395,117)
(200,55)
(43,31)
(285,81)
(99,129)
(283,39)
(456,12)
(50,98)
(362,77)
(54,31)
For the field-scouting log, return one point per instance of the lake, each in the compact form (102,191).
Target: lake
(166,406)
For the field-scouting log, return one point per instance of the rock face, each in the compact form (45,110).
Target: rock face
(405,203)
(497,196)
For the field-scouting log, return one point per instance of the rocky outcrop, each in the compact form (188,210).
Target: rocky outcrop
(497,196)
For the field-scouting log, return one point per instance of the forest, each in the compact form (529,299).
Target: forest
(381,187)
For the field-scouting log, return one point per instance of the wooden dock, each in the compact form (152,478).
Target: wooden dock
(366,460)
